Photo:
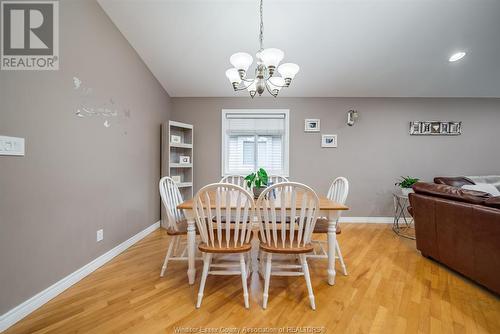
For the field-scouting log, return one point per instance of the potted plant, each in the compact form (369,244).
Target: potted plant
(406,183)
(257,181)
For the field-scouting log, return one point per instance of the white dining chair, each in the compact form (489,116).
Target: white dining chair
(211,204)
(176,222)
(238,180)
(274,179)
(339,189)
(300,205)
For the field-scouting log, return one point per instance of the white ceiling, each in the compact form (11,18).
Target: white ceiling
(348,48)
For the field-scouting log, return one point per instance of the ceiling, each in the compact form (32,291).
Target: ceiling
(346,48)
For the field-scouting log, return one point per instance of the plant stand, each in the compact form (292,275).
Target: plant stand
(403,224)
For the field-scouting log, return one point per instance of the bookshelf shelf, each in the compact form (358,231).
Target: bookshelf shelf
(184,184)
(181,145)
(179,165)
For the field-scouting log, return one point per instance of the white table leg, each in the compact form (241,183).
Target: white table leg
(191,247)
(332,239)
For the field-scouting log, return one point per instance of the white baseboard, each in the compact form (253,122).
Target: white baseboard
(370,220)
(22,310)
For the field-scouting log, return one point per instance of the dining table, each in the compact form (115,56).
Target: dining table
(327,208)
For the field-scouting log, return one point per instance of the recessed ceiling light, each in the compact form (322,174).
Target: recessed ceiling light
(456,56)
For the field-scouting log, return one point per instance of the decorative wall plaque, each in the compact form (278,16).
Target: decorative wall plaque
(435,128)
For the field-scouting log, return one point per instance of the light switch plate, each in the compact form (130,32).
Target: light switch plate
(100,235)
(11,146)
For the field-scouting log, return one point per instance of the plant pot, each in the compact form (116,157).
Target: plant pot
(406,191)
(257,192)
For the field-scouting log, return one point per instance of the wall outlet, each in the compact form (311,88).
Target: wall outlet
(100,235)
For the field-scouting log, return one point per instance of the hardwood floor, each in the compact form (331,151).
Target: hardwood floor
(391,288)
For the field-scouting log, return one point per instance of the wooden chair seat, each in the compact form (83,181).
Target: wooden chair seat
(240,248)
(322,226)
(270,248)
(181,228)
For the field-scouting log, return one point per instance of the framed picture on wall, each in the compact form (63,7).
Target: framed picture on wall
(312,125)
(328,141)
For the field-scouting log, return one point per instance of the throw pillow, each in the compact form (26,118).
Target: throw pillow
(486,187)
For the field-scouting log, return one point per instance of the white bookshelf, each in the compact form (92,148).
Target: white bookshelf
(172,151)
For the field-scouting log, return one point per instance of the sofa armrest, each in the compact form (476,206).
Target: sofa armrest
(423,212)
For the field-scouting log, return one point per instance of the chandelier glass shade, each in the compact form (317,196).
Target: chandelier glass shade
(268,63)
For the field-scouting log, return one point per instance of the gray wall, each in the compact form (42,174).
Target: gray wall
(372,154)
(77,176)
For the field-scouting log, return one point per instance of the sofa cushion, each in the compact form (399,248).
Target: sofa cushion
(449,192)
(486,187)
(456,181)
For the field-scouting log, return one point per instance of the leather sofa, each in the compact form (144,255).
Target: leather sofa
(459,228)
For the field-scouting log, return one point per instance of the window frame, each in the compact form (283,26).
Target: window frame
(286,136)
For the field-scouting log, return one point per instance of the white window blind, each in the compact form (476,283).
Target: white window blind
(255,139)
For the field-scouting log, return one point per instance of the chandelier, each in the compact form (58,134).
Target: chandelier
(265,75)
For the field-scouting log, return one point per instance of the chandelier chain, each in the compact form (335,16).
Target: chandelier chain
(261,35)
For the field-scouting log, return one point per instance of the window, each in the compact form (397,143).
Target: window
(254,138)
(248,152)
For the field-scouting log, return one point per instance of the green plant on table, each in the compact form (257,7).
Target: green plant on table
(257,179)
(406,182)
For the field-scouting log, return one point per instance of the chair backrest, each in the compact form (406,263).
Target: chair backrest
(238,180)
(216,201)
(339,189)
(284,200)
(274,179)
(171,198)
